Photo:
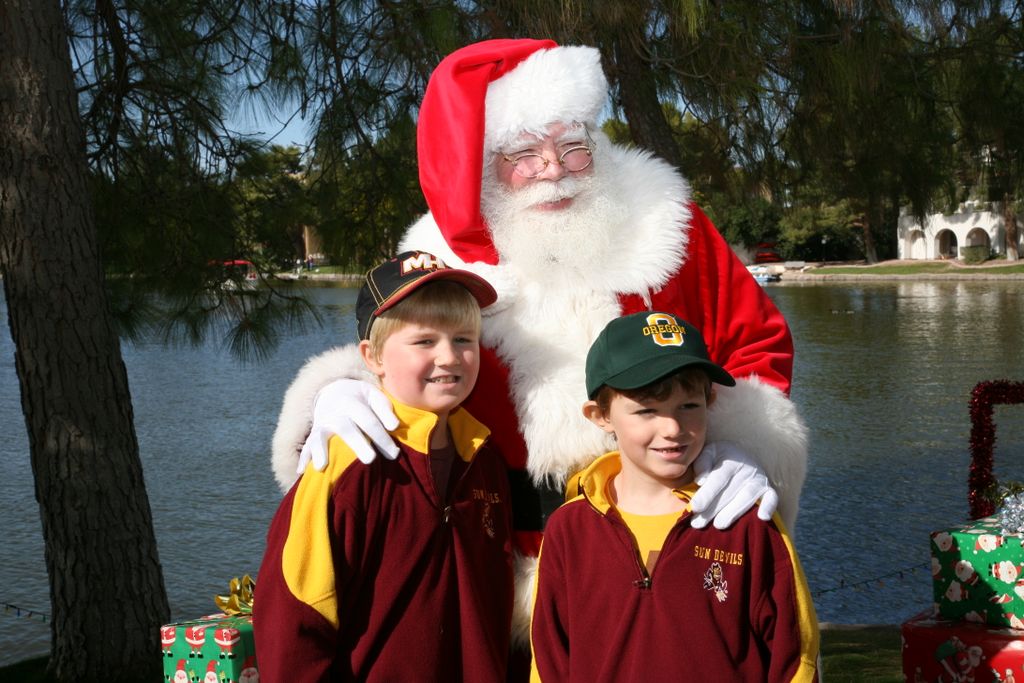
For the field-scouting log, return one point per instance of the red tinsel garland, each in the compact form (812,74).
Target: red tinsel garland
(983,439)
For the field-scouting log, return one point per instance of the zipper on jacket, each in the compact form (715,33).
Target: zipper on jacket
(446,505)
(644,582)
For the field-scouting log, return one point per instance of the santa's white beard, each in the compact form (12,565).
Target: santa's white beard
(549,245)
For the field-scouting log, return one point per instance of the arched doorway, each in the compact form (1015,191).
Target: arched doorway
(945,245)
(978,237)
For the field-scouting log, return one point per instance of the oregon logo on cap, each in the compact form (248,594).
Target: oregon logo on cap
(664,330)
(421,261)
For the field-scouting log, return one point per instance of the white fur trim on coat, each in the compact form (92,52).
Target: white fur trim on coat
(522,608)
(764,423)
(342,362)
(560,84)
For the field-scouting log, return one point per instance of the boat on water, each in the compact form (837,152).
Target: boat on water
(240,274)
(765,274)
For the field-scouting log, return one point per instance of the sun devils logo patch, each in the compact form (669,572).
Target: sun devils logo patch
(488,520)
(714,581)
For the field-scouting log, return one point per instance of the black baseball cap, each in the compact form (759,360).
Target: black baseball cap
(398,277)
(639,349)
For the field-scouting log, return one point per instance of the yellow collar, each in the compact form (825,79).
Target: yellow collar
(415,427)
(594,482)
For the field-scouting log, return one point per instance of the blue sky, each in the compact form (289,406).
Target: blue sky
(267,124)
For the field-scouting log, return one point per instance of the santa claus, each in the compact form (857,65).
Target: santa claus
(571,230)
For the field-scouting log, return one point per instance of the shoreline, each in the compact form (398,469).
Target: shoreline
(847,277)
(789,276)
(806,272)
(954,271)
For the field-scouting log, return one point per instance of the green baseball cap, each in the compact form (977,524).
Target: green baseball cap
(639,349)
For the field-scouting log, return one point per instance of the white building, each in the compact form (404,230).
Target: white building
(944,235)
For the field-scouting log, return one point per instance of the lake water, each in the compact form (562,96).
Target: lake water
(883,378)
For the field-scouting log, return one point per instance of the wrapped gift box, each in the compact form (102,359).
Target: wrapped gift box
(936,649)
(978,574)
(213,649)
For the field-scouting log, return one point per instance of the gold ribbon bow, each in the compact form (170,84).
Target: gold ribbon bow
(239,600)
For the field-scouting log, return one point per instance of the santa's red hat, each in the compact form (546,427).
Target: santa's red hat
(479,99)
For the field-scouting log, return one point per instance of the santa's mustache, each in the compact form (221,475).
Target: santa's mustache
(541,192)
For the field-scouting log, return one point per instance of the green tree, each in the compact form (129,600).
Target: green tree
(987,80)
(128,127)
(700,84)
(820,231)
(366,66)
(368,197)
(158,82)
(867,122)
(636,50)
(737,198)
(273,204)
(101,551)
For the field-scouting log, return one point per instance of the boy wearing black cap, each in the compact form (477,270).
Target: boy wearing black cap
(633,592)
(400,569)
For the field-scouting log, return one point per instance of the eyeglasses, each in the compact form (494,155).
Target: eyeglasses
(573,160)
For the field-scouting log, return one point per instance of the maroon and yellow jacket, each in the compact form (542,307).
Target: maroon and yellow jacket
(369,576)
(718,605)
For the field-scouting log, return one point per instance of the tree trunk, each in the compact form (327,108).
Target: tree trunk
(106,587)
(638,95)
(872,217)
(1010,227)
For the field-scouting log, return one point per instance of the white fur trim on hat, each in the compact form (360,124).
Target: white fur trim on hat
(558,85)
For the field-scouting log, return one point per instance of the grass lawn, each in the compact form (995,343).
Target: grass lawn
(924,267)
(331,270)
(870,654)
(29,671)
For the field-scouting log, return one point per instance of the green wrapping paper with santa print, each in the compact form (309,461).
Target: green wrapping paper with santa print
(978,573)
(214,649)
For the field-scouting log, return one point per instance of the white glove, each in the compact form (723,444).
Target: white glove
(731,482)
(358,413)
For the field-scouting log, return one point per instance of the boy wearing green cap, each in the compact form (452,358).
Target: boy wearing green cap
(627,589)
